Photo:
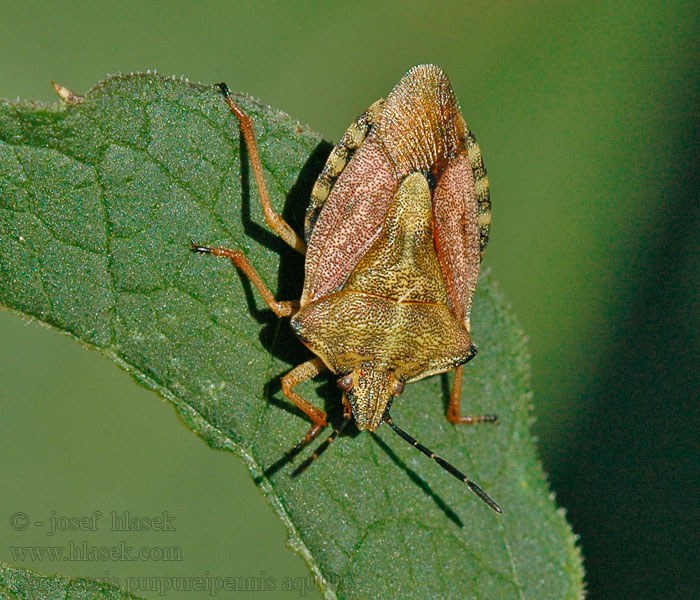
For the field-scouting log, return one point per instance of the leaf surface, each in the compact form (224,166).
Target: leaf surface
(98,204)
(21,584)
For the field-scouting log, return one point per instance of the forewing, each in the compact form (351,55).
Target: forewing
(352,139)
(457,234)
(350,220)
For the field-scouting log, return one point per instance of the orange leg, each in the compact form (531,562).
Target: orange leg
(303,372)
(453,411)
(275,221)
(283,308)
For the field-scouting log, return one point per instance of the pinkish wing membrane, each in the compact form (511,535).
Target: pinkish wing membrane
(420,125)
(350,221)
(457,234)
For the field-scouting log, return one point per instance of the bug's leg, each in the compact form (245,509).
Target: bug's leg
(305,371)
(347,407)
(275,221)
(282,308)
(453,411)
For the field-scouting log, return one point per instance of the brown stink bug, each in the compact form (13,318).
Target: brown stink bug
(397,224)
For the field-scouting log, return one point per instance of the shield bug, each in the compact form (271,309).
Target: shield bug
(396,228)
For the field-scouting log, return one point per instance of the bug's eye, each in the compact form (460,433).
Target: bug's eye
(396,388)
(345,383)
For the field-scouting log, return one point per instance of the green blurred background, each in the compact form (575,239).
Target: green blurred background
(587,115)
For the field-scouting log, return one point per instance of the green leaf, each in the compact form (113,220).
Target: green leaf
(98,204)
(19,584)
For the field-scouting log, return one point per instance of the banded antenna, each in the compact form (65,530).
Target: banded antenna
(444,464)
(322,448)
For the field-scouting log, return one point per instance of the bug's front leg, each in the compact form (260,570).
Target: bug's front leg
(303,372)
(283,308)
(274,220)
(453,411)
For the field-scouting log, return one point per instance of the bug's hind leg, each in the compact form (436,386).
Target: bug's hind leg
(282,308)
(303,372)
(274,220)
(453,411)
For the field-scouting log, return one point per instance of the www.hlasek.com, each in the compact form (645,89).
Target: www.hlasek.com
(83,552)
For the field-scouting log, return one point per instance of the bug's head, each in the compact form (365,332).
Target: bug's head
(370,393)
